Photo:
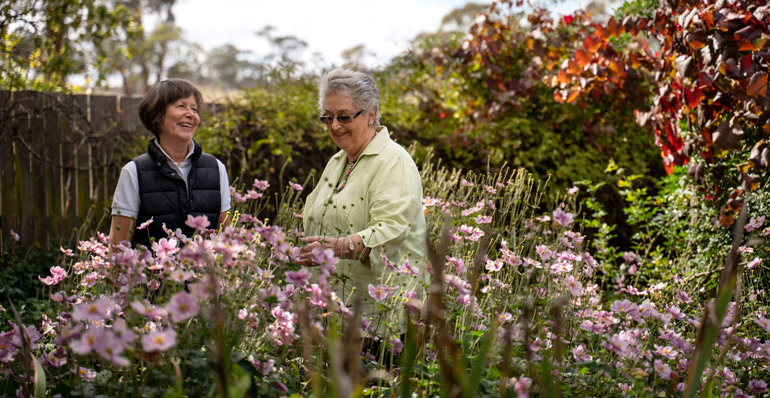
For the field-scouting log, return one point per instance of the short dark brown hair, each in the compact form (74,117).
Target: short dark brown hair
(159,96)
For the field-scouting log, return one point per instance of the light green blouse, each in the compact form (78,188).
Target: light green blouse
(382,203)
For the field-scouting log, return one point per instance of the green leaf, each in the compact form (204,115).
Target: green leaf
(40,382)
(242,383)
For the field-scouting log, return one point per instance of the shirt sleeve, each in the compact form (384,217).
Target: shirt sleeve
(395,200)
(125,202)
(224,187)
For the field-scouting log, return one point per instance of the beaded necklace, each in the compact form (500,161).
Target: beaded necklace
(347,174)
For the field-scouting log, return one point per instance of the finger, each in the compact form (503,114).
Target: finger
(310,239)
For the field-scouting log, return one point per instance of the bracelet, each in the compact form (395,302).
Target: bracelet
(351,246)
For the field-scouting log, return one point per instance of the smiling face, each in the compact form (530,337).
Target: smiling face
(352,137)
(180,120)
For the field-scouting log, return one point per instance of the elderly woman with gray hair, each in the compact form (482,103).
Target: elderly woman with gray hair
(368,202)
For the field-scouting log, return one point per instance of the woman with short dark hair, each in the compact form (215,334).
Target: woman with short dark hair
(174,178)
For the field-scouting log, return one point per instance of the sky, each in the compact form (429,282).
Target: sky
(329,27)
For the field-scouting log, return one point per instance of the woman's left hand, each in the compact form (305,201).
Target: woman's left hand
(316,242)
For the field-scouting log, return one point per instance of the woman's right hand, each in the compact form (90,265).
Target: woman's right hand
(316,242)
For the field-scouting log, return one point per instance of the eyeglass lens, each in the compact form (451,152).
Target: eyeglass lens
(340,118)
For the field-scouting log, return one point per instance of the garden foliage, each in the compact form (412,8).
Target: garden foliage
(527,292)
(517,305)
(708,64)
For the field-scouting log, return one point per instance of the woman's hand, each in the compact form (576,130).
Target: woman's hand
(340,246)
(316,242)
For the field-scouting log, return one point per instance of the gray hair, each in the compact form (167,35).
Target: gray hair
(357,85)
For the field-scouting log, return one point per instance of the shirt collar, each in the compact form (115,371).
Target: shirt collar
(375,146)
(190,151)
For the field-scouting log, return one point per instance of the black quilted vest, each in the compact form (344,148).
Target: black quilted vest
(164,196)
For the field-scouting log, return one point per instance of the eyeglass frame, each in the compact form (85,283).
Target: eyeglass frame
(330,119)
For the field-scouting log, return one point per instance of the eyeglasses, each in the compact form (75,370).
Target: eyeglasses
(340,118)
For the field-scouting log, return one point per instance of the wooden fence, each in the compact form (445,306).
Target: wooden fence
(60,158)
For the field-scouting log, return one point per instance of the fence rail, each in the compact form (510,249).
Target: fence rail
(60,157)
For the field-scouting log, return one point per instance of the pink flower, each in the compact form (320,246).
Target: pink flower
(505,317)
(630,257)
(158,340)
(57,357)
(623,343)
(252,194)
(145,224)
(110,347)
(295,186)
(261,184)
(408,268)
(753,263)
(459,283)
(561,267)
(521,386)
(396,345)
(675,312)
(86,374)
(298,278)
(318,297)
(465,183)
(764,323)
(489,189)
(179,275)
(458,263)
(544,252)
(324,256)
(200,223)
(494,266)
(87,341)
(667,352)
(282,330)
(58,274)
(573,190)
(182,306)
(7,349)
(122,331)
(662,369)
(757,386)
(14,235)
(474,209)
(67,252)
(574,286)
(755,223)
(482,219)
(620,306)
(148,310)
(683,296)
(380,292)
(237,197)
(562,217)
(165,247)
(579,353)
(94,311)
(430,202)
